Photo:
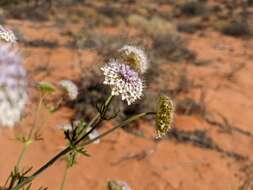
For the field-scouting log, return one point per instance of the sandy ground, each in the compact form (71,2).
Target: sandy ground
(142,163)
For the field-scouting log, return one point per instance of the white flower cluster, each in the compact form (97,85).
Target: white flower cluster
(123,81)
(13,86)
(70,88)
(124,76)
(7,35)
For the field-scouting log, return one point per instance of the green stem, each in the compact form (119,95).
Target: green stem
(93,124)
(21,156)
(126,122)
(44,167)
(64,177)
(34,126)
(28,140)
(67,149)
(95,121)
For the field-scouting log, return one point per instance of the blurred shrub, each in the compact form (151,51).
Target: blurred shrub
(97,41)
(189,106)
(36,10)
(167,49)
(194,8)
(190,25)
(103,15)
(167,45)
(154,27)
(235,28)
(9,2)
(113,11)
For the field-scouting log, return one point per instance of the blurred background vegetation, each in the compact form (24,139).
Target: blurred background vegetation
(166,29)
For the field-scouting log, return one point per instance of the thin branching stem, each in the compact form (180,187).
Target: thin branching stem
(93,124)
(123,124)
(21,156)
(29,137)
(36,117)
(68,149)
(64,177)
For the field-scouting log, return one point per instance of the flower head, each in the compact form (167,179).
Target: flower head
(7,35)
(13,86)
(164,116)
(135,57)
(70,88)
(123,80)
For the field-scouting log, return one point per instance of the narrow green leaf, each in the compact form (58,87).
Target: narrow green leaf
(46,87)
(28,187)
(83,152)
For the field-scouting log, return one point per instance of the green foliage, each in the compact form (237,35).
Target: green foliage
(72,155)
(20,137)
(29,187)
(46,87)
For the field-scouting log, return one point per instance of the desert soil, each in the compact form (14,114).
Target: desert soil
(142,163)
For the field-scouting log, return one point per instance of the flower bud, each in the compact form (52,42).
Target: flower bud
(164,115)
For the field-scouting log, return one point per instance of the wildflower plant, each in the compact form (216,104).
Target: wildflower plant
(122,74)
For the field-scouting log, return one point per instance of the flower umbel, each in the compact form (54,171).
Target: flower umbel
(164,116)
(7,35)
(13,86)
(135,57)
(70,88)
(123,80)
